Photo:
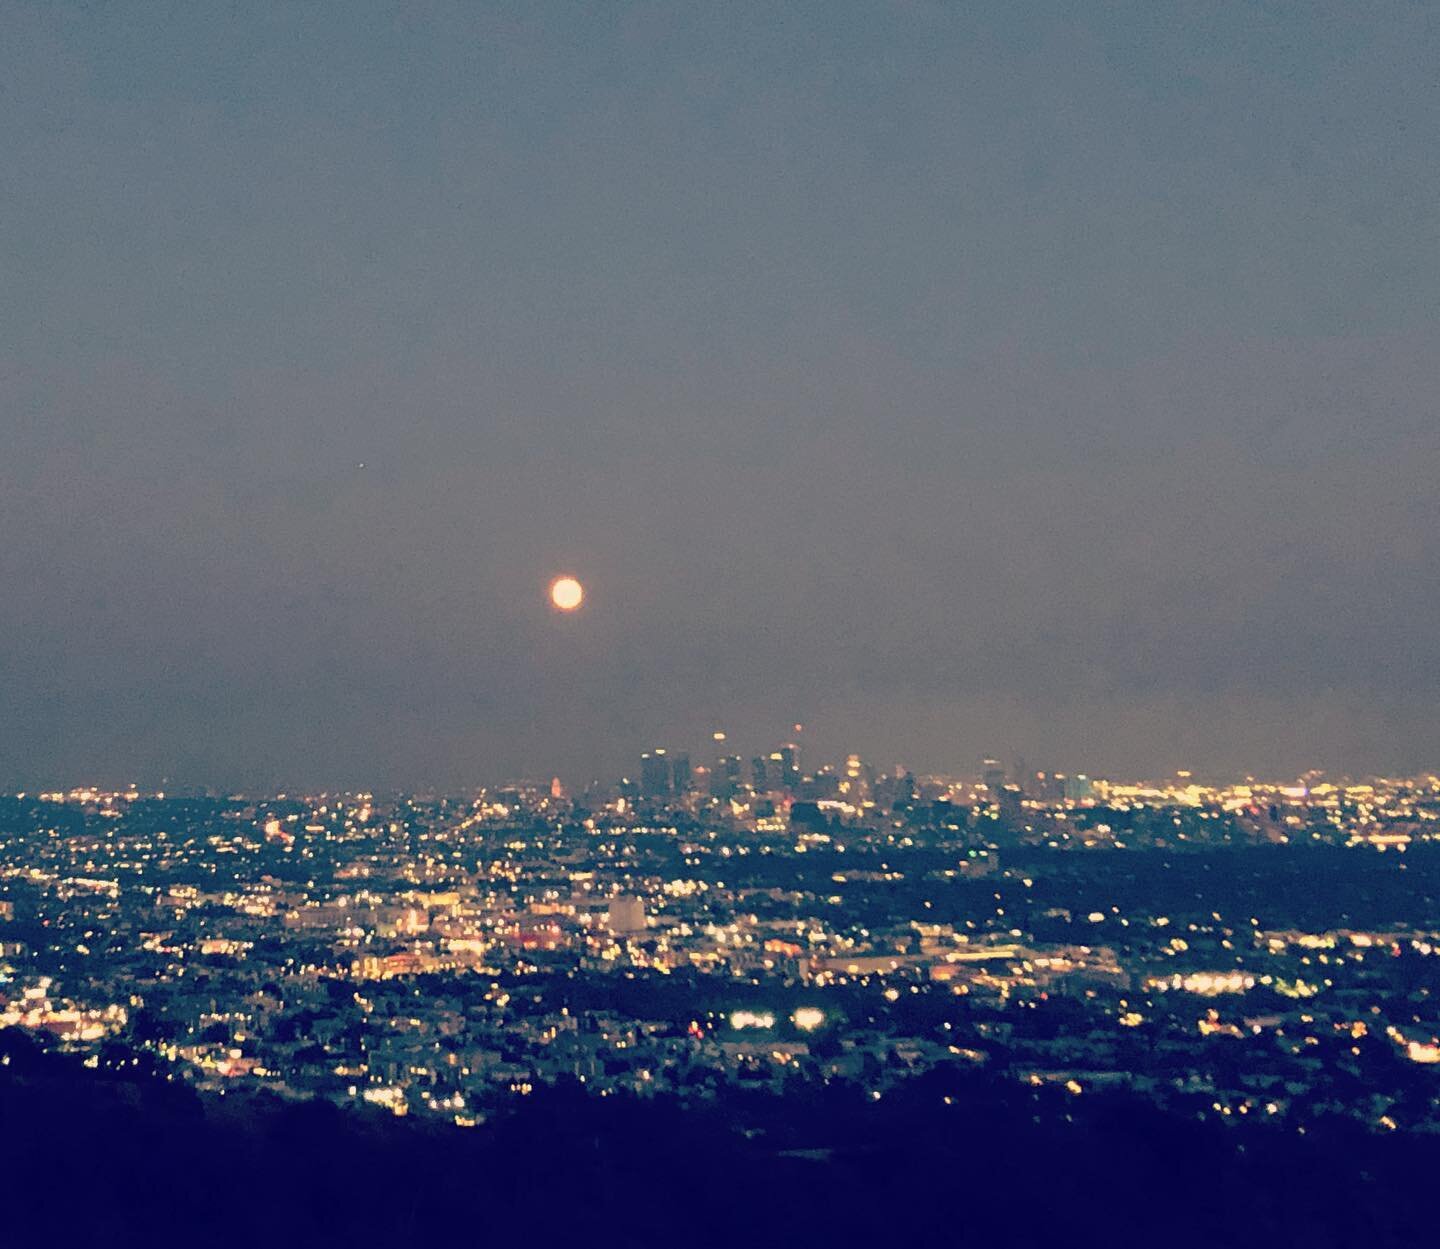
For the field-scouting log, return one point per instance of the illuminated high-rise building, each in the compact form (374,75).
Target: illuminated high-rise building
(788,757)
(725,778)
(992,772)
(855,783)
(1050,786)
(655,773)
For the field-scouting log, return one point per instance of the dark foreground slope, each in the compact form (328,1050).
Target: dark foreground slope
(85,1155)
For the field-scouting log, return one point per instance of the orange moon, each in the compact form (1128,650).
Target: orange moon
(566,593)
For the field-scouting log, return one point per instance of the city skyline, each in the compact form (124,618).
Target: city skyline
(934,757)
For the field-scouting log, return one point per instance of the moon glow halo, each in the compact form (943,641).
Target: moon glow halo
(566,594)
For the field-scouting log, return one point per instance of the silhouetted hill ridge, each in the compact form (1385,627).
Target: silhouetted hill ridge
(134,1159)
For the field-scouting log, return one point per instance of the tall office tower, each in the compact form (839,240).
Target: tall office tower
(789,759)
(1050,786)
(855,782)
(725,779)
(905,787)
(680,773)
(654,773)
(992,772)
(823,786)
(1022,774)
(758,774)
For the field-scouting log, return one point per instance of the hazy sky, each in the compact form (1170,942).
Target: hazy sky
(1056,379)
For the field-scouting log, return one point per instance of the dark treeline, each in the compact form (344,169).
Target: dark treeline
(139,1161)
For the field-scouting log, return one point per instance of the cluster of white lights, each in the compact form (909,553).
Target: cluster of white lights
(751,1019)
(808,1018)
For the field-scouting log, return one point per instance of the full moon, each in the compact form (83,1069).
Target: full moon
(566,593)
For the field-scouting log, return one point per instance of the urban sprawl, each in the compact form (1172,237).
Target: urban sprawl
(1245,951)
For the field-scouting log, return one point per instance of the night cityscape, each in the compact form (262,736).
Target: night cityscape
(745,934)
(753,624)
(1226,951)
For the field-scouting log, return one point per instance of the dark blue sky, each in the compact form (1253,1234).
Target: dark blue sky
(1043,379)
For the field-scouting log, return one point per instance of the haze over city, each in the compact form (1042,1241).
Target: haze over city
(951,379)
